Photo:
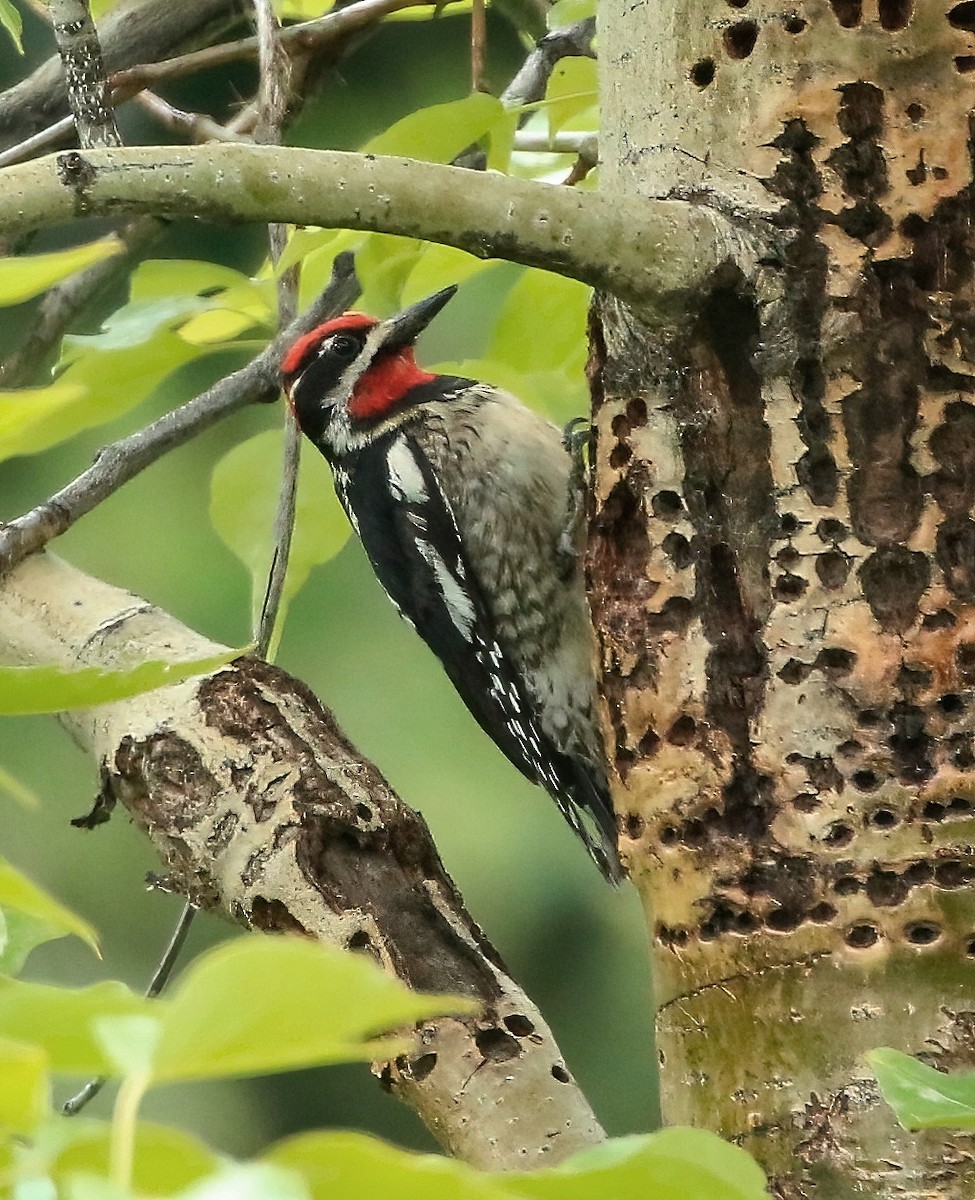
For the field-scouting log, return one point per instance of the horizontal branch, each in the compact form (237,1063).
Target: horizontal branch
(260,808)
(650,253)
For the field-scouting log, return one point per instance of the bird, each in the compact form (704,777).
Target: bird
(466,503)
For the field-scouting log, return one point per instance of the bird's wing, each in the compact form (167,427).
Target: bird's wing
(410,535)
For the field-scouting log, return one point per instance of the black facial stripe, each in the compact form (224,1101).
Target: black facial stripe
(442,387)
(318,379)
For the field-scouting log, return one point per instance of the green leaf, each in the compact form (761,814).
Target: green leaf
(674,1164)
(158,278)
(97,387)
(354,1166)
(30,274)
(166,1160)
(19,934)
(51,689)
(421,12)
(385,263)
(249,1181)
(264,1004)
(82,1186)
(922,1097)
(439,133)
(11,20)
(542,325)
(31,419)
(61,1020)
(25,1096)
(129,1041)
(300,10)
(243,503)
(538,347)
(438,267)
(134,324)
(47,918)
(572,90)
(567,12)
(304,242)
(225,302)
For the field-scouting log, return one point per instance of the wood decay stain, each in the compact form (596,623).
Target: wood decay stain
(789,656)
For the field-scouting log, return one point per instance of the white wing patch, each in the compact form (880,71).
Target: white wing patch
(405,477)
(341,479)
(458,603)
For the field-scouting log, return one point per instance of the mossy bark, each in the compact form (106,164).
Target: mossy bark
(782,562)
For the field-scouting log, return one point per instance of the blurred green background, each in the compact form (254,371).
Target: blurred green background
(576,945)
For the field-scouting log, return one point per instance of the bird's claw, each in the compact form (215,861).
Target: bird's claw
(575,439)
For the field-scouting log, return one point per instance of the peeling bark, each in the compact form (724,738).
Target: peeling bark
(261,809)
(782,563)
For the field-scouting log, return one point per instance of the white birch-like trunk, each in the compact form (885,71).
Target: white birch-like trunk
(783,567)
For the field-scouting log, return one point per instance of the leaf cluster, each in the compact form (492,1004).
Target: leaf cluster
(258,1005)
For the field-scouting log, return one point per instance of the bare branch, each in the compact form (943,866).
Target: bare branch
(121,461)
(651,253)
(194,126)
(478,46)
(272,106)
(308,38)
(84,71)
(61,304)
(128,34)
(529,85)
(260,808)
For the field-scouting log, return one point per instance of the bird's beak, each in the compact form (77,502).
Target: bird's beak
(403,330)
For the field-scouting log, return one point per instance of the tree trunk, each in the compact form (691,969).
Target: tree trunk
(782,562)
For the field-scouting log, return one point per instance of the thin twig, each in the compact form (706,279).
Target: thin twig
(84,71)
(478,46)
(197,127)
(74,1104)
(529,84)
(94,118)
(133,32)
(45,139)
(566,141)
(272,107)
(62,304)
(121,461)
(578,171)
(309,37)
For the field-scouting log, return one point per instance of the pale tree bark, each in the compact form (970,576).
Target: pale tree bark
(260,809)
(782,555)
(783,568)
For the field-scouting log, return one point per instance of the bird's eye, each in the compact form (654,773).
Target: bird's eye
(342,346)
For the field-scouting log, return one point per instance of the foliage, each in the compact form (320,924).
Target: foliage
(52,690)
(261,1004)
(243,500)
(11,21)
(922,1097)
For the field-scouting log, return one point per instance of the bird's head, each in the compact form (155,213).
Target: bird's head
(354,372)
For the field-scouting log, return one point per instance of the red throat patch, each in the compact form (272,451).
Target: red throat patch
(385,383)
